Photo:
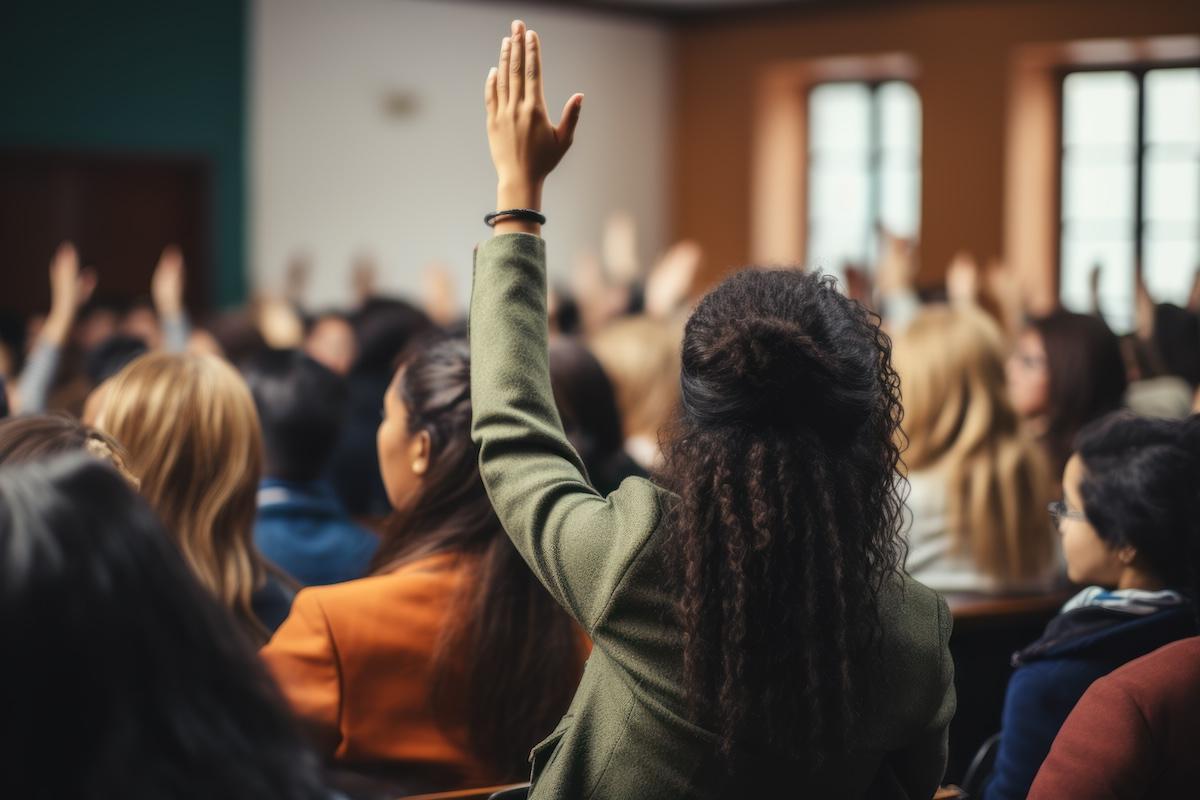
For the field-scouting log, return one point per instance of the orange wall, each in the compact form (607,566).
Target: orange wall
(964,54)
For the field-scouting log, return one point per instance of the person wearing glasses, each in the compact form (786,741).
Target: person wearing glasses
(1130,526)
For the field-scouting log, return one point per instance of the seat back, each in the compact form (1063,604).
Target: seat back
(987,631)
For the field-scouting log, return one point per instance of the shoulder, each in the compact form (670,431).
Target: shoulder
(1169,676)
(423,577)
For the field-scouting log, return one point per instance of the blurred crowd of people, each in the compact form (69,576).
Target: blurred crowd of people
(307,484)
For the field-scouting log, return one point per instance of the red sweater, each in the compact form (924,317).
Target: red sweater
(1133,734)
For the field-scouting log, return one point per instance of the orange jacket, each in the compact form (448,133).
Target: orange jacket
(354,660)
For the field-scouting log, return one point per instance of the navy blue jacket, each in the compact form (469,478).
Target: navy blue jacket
(1078,647)
(303,529)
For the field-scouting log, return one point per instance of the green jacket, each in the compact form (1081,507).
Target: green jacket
(626,734)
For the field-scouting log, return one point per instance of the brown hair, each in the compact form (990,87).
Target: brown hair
(189,425)
(39,436)
(958,420)
(506,640)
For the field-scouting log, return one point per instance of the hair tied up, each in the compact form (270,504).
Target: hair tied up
(768,371)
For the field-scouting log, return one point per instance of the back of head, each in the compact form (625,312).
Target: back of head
(111,355)
(787,521)
(958,420)
(189,425)
(588,408)
(509,656)
(1141,487)
(1087,376)
(385,329)
(39,436)
(301,405)
(117,637)
(1176,342)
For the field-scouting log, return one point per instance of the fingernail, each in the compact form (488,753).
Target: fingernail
(529,36)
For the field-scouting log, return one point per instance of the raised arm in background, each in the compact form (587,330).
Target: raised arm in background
(166,288)
(70,288)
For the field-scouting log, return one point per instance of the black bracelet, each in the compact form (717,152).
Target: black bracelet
(523,214)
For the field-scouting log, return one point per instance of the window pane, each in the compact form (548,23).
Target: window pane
(1173,106)
(899,119)
(1168,268)
(839,214)
(1099,108)
(839,118)
(1098,191)
(1172,188)
(900,200)
(1115,256)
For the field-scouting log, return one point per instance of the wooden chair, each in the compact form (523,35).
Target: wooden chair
(987,631)
(483,793)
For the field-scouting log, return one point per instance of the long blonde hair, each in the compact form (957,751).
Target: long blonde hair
(958,421)
(189,425)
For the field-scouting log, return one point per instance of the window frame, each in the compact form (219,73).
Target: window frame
(875,159)
(1138,70)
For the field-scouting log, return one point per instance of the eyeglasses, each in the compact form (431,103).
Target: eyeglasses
(1059,511)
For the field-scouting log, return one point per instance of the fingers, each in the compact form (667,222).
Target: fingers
(565,130)
(502,73)
(490,98)
(533,70)
(516,64)
(65,258)
(85,285)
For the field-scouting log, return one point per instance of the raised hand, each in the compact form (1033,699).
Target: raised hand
(166,285)
(525,145)
(963,283)
(70,288)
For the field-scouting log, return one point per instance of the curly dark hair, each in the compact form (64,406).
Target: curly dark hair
(784,462)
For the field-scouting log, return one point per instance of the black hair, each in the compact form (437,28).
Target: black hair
(386,328)
(301,405)
(1141,488)
(125,678)
(3,398)
(1176,342)
(110,356)
(1087,377)
(587,406)
(786,526)
(521,652)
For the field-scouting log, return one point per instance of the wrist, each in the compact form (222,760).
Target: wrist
(56,328)
(519,193)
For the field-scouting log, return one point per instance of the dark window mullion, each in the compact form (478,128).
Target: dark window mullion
(874,171)
(1139,178)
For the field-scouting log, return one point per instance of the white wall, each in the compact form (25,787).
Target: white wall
(334,175)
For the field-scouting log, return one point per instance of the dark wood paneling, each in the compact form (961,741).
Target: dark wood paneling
(120,211)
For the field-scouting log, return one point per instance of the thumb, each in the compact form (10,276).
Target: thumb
(565,130)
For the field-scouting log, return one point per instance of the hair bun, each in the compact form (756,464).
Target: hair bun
(767,353)
(769,370)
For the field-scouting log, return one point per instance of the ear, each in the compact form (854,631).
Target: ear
(1127,554)
(419,451)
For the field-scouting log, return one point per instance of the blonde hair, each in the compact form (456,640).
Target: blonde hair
(192,435)
(958,420)
(641,355)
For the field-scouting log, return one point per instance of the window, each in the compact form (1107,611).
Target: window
(864,170)
(1130,186)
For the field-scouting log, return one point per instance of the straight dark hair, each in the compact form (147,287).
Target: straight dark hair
(126,678)
(787,520)
(1087,377)
(507,640)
